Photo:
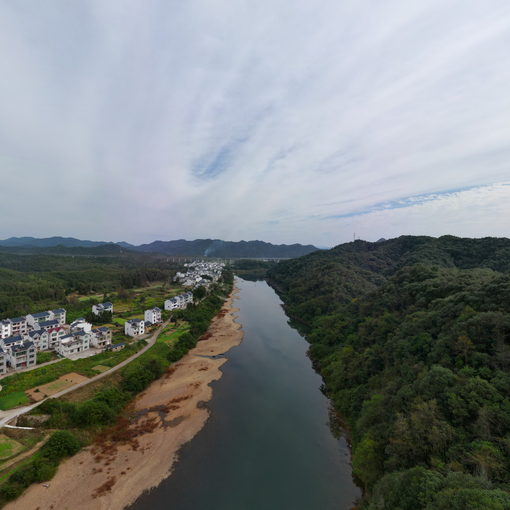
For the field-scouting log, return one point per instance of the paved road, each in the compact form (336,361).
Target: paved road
(7,416)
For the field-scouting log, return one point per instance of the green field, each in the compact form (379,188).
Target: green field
(14,399)
(8,447)
(170,334)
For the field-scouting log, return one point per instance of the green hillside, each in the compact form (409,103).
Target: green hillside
(412,337)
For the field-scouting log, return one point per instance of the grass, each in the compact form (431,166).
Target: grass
(9,447)
(170,334)
(100,368)
(44,357)
(14,399)
(15,385)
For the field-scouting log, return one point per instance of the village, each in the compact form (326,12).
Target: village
(21,338)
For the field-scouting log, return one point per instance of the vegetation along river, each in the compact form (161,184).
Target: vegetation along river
(267,444)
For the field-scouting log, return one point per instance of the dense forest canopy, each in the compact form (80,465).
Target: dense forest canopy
(412,337)
(29,282)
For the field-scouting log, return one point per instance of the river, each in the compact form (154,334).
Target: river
(267,444)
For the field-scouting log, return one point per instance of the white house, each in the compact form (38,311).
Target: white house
(179,302)
(5,329)
(21,354)
(74,343)
(101,337)
(102,308)
(55,334)
(46,325)
(172,304)
(40,338)
(153,315)
(134,327)
(59,315)
(81,325)
(33,319)
(19,326)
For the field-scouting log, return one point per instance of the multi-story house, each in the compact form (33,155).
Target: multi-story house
(40,338)
(54,335)
(179,302)
(47,325)
(102,308)
(134,327)
(101,337)
(153,315)
(5,329)
(73,343)
(172,303)
(21,355)
(81,325)
(19,326)
(33,319)
(59,315)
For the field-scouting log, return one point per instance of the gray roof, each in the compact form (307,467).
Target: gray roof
(134,321)
(18,319)
(24,346)
(37,332)
(40,314)
(103,329)
(12,339)
(59,310)
(49,323)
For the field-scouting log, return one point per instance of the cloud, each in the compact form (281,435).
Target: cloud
(283,121)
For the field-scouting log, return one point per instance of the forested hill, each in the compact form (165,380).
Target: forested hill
(325,279)
(198,248)
(412,337)
(226,249)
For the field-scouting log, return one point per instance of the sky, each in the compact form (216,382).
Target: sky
(280,120)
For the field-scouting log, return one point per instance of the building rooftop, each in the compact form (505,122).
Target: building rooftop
(40,314)
(45,324)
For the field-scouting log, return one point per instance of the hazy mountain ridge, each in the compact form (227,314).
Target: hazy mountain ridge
(180,247)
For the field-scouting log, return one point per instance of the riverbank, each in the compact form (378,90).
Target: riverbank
(139,452)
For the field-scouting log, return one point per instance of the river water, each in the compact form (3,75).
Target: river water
(267,444)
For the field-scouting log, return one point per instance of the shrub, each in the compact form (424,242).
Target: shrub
(61,444)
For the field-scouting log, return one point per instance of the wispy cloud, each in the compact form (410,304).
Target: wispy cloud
(285,121)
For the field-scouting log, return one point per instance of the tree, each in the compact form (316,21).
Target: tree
(61,444)
(486,457)
(464,346)
(367,462)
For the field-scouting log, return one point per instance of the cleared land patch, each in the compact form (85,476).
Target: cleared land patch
(100,368)
(63,382)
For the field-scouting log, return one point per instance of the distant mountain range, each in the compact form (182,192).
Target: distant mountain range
(180,247)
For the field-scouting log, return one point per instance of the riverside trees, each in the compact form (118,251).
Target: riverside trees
(412,337)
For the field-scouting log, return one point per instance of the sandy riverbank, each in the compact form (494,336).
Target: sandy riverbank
(111,475)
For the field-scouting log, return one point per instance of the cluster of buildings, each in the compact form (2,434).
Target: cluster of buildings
(200,273)
(22,337)
(137,327)
(179,302)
